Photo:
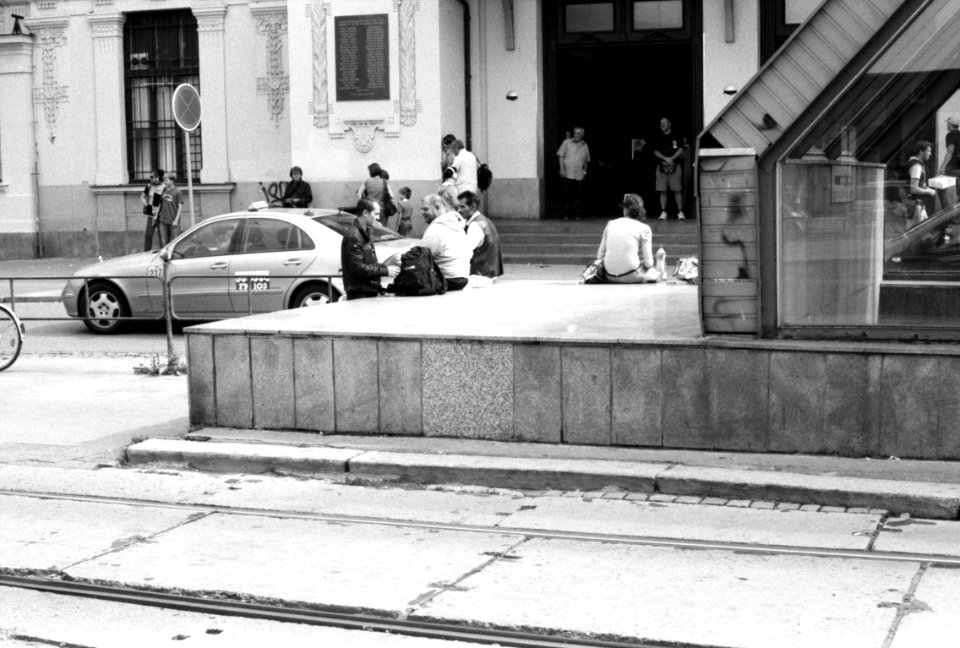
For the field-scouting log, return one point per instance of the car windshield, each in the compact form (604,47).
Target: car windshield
(340,222)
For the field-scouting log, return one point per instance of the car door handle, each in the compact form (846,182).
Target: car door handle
(220,265)
(293,262)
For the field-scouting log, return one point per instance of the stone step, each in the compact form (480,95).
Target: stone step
(586,239)
(571,259)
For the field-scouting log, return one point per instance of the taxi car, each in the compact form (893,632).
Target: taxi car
(261,260)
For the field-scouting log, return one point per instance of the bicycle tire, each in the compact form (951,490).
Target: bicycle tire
(11,337)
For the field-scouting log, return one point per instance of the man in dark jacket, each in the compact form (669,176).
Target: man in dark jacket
(358,259)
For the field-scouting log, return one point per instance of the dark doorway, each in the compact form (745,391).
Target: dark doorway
(618,94)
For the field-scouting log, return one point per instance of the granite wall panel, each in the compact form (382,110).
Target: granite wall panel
(909,405)
(740,382)
(796,403)
(200,381)
(274,405)
(851,408)
(537,414)
(401,387)
(637,397)
(356,399)
(313,384)
(687,419)
(948,443)
(468,390)
(586,388)
(233,382)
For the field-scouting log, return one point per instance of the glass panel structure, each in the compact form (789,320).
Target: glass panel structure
(868,223)
(161,51)
(657,14)
(588,17)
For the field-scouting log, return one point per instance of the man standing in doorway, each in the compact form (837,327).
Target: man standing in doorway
(170,207)
(669,154)
(574,157)
(951,161)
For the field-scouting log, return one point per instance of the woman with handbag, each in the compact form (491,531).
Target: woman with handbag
(377,188)
(150,207)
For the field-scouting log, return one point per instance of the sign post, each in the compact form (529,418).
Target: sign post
(186,110)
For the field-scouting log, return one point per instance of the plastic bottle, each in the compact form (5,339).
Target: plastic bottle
(661,266)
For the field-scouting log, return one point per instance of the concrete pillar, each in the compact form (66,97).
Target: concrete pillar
(109,98)
(213,95)
(18,216)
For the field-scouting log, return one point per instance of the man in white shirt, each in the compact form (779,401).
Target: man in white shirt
(487,260)
(574,156)
(465,164)
(447,241)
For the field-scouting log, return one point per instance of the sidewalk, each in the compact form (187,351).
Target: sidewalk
(929,489)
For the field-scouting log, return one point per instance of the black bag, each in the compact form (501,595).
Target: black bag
(389,207)
(419,274)
(147,210)
(484,177)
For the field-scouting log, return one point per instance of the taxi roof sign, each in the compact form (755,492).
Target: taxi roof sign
(186,106)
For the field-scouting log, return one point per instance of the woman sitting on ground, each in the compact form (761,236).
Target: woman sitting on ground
(627,246)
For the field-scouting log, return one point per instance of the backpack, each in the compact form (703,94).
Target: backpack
(484,177)
(419,274)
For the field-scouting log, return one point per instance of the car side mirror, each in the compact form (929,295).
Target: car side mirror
(166,254)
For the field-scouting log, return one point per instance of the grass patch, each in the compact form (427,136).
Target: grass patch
(172,365)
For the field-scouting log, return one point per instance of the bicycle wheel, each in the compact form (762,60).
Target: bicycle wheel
(11,338)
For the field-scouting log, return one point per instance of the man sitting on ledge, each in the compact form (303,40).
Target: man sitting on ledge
(358,258)
(447,241)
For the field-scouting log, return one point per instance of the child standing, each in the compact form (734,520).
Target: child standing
(405,225)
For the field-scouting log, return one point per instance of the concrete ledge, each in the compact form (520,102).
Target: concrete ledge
(507,472)
(921,499)
(240,457)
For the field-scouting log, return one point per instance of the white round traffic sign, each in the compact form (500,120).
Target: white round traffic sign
(186,106)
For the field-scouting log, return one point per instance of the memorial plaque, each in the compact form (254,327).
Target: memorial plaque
(363,64)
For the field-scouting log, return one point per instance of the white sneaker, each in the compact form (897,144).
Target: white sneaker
(663,215)
(680,215)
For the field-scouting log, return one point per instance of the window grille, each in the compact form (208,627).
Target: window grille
(161,51)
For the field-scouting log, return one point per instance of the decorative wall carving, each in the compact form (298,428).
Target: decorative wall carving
(406,12)
(276,85)
(46,4)
(318,28)
(210,21)
(112,29)
(364,132)
(50,94)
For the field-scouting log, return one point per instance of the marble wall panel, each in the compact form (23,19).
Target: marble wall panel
(741,396)
(688,418)
(203,401)
(851,407)
(468,390)
(233,382)
(637,396)
(313,384)
(797,388)
(356,385)
(948,446)
(537,414)
(401,387)
(586,388)
(909,406)
(271,359)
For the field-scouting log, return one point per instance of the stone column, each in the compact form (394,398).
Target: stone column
(18,216)
(213,95)
(109,98)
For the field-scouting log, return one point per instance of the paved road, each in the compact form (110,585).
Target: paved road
(488,557)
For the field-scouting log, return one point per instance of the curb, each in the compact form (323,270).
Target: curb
(919,499)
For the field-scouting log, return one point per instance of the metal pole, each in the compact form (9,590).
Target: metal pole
(168,305)
(189,177)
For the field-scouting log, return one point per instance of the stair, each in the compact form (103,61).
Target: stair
(553,242)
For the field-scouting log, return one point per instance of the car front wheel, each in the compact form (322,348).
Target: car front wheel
(101,310)
(314,295)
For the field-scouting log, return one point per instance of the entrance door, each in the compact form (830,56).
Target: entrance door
(617,82)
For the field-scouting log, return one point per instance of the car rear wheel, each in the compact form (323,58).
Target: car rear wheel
(315,294)
(106,303)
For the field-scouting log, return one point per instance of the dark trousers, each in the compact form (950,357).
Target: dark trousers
(572,194)
(166,232)
(148,234)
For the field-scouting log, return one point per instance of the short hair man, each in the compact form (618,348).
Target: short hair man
(668,150)
(358,258)
(917,187)
(574,156)
(171,204)
(487,260)
(951,161)
(447,241)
